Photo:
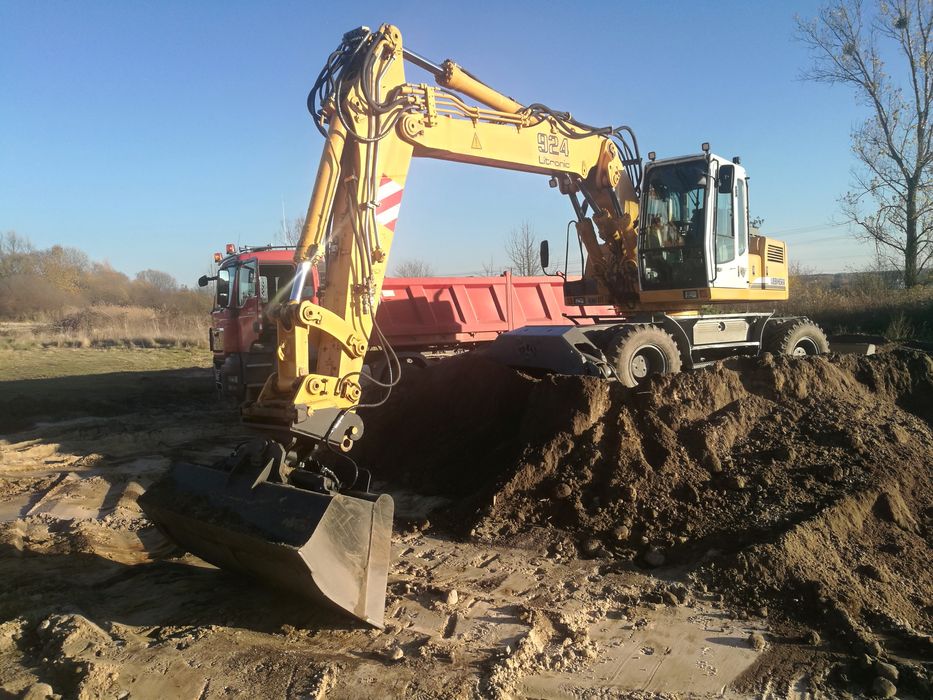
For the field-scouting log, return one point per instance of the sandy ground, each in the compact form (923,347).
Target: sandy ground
(96,603)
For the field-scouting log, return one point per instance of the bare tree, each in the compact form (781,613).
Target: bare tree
(490,268)
(413,267)
(15,254)
(522,250)
(291,230)
(891,201)
(162,281)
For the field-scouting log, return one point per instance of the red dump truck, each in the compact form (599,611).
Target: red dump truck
(422,318)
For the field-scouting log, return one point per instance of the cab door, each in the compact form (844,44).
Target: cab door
(729,239)
(224,332)
(247,303)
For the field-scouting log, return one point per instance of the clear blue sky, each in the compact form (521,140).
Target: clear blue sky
(150,133)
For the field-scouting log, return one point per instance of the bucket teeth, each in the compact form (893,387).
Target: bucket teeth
(330,547)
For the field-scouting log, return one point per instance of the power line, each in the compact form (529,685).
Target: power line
(822,240)
(799,231)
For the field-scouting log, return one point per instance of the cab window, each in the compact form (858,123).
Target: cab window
(673,229)
(222,298)
(276,282)
(741,218)
(725,233)
(246,283)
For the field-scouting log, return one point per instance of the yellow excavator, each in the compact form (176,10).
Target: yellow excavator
(662,244)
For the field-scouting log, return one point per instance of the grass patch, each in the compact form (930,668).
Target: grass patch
(897,314)
(59,383)
(68,362)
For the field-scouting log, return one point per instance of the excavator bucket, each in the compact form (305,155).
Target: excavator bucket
(329,547)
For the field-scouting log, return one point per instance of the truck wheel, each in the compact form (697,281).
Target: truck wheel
(640,351)
(799,337)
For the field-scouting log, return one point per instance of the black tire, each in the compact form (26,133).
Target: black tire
(638,352)
(797,337)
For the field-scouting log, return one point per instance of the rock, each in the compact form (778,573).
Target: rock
(890,506)
(562,490)
(10,633)
(875,649)
(621,533)
(39,691)
(452,596)
(883,688)
(885,670)
(653,557)
(395,653)
(738,482)
(713,463)
(813,638)
(756,641)
(683,595)
(763,611)
(873,572)
(70,635)
(669,598)
(590,546)
(629,493)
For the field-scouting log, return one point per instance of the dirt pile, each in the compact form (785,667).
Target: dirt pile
(805,482)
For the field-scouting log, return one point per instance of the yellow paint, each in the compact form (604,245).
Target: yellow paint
(436,123)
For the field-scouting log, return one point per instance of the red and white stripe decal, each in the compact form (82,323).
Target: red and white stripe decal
(388,202)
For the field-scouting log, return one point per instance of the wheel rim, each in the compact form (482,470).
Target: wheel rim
(647,361)
(805,346)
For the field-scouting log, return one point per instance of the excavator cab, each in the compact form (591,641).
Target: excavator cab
(693,228)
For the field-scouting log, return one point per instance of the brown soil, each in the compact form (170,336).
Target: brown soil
(803,484)
(724,533)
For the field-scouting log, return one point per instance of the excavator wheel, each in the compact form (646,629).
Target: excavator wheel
(637,352)
(797,337)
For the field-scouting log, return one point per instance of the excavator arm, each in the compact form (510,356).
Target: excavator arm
(376,122)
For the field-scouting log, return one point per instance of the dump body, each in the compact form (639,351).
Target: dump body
(451,312)
(417,315)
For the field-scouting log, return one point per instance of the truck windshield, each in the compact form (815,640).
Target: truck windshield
(277,280)
(673,226)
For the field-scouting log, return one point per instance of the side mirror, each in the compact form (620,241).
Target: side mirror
(203,280)
(726,178)
(545,255)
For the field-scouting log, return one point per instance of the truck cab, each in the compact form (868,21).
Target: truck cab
(248,282)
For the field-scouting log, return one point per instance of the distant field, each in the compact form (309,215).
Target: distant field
(68,362)
(106,326)
(56,383)
(897,314)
